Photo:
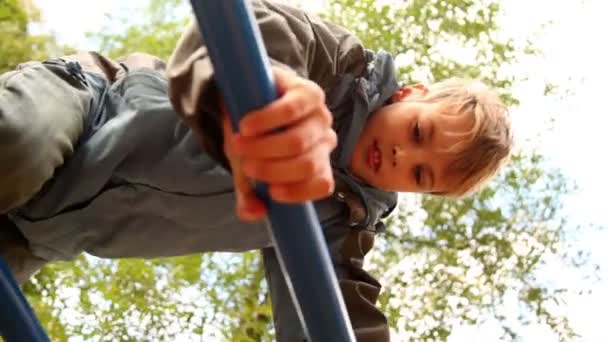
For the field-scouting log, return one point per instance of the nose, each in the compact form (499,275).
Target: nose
(403,156)
(397,153)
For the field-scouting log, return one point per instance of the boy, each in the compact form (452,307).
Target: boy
(98,160)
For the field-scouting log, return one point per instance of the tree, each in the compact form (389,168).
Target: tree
(444,262)
(164,23)
(17,44)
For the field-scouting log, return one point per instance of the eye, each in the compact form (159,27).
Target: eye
(418,174)
(417,133)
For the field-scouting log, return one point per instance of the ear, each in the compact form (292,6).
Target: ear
(421,87)
(406,91)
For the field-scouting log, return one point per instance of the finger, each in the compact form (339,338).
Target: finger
(317,188)
(287,170)
(300,100)
(284,78)
(293,141)
(249,207)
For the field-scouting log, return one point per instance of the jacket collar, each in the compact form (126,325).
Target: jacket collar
(355,99)
(352,102)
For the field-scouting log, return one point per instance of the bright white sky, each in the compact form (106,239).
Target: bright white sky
(575,59)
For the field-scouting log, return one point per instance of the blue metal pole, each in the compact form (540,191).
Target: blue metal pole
(244,77)
(17,319)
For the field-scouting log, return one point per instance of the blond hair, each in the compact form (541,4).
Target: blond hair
(487,146)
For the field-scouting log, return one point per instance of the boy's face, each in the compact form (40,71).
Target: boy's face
(402,147)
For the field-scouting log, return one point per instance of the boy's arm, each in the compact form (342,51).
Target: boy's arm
(314,49)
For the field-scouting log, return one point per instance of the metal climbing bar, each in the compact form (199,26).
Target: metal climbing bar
(17,319)
(243,74)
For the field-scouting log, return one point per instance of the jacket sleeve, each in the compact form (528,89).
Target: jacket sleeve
(313,48)
(360,290)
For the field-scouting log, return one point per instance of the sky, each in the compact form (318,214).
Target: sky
(571,33)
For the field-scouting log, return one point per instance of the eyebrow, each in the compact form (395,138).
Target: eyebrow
(430,135)
(431,177)
(431,131)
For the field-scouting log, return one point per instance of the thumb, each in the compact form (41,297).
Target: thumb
(249,207)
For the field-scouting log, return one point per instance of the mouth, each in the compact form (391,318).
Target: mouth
(374,156)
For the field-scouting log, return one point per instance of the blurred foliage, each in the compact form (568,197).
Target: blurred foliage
(17,43)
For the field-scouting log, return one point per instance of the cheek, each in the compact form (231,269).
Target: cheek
(387,116)
(386,128)
(375,123)
(394,180)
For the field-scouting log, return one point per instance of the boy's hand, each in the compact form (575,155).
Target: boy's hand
(295,161)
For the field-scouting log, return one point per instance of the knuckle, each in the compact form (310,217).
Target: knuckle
(250,122)
(314,91)
(309,166)
(329,118)
(328,187)
(332,139)
(283,72)
(290,109)
(301,82)
(318,92)
(298,144)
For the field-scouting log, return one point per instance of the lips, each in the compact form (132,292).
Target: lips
(374,156)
